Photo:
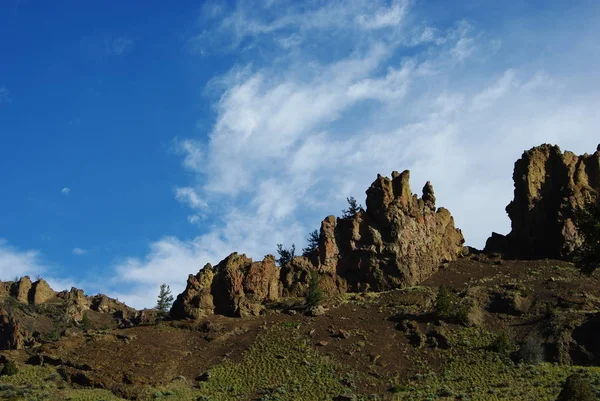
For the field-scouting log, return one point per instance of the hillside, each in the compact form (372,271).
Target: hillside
(409,312)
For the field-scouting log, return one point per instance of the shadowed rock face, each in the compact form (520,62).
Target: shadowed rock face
(399,240)
(550,186)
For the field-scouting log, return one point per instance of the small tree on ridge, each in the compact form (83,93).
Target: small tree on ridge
(313,243)
(353,208)
(165,299)
(285,255)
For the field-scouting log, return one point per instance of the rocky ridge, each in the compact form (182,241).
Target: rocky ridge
(32,311)
(399,240)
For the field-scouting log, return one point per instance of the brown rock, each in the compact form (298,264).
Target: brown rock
(235,287)
(76,302)
(399,240)
(104,304)
(196,300)
(21,288)
(41,292)
(550,186)
(12,334)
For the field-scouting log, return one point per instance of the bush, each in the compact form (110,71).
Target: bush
(314,293)
(86,323)
(448,307)
(576,388)
(501,343)
(9,369)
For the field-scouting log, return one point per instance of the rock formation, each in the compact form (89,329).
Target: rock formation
(27,292)
(550,186)
(399,240)
(12,334)
(237,286)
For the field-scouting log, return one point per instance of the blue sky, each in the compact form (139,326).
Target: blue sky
(138,143)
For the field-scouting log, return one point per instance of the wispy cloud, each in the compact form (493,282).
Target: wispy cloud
(79,251)
(17,263)
(4,95)
(297,132)
(65,191)
(190,197)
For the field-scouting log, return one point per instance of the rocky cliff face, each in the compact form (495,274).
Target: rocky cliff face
(550,186)
(237,286)
(399,240)
(31,311)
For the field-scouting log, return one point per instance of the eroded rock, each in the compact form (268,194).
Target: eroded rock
(237,286)
(550,186)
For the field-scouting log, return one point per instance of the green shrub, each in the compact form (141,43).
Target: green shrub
(448,307)
(86,323)
(9,369)
(314,293)
(501,343)
(576,388)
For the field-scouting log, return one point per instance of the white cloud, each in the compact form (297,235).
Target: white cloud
(4,95)
(16,263)
(192,154)
(190,197)
(65,191)
(385,17)
(298,133)
(79,251)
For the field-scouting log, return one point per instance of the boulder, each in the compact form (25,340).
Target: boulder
(550,187)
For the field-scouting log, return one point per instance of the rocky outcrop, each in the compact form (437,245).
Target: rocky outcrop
(400,239)
(550,186)
(41,292)
(21,288)
(237,286)
(12,334)
(32,293)
(76,303)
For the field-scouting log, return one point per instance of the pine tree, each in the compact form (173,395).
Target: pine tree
(165,299)
(314,293)
(285,255)
(353,208)
(313,243)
